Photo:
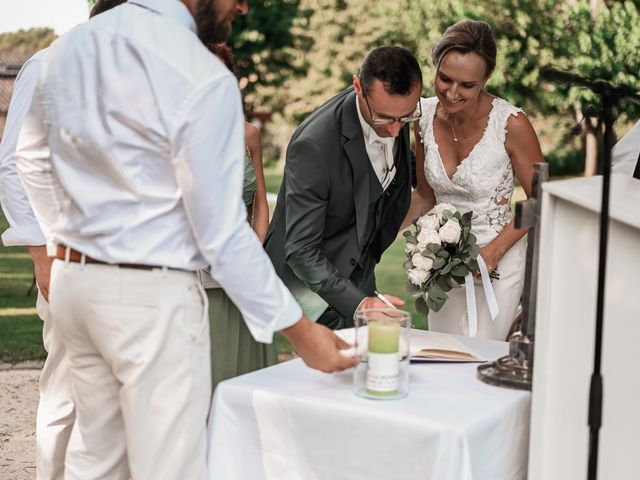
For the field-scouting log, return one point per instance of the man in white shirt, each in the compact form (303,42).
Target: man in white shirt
(131,155)
(626,153)
(56,410)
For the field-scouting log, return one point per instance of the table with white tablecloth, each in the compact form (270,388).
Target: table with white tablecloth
(291,422)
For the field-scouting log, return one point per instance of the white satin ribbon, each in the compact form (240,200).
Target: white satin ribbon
(472,312)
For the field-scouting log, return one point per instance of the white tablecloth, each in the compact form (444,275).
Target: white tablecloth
(291,422)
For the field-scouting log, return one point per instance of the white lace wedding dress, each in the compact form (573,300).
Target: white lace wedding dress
(482,183)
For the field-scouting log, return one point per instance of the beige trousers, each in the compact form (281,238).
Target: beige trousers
(138,349)
(56,410)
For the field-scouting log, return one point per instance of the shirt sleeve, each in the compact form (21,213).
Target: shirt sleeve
(23,226)
(33,162)
(208,163)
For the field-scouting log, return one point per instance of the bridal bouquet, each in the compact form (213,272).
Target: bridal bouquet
(440,254)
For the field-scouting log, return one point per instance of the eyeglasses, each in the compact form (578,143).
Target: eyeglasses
(389,120)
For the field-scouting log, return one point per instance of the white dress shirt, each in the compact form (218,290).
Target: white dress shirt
(624,155)
(23,226)
(145,164)
(380,151)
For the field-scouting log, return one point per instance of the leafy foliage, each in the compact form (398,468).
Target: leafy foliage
(266,42)
(30,40)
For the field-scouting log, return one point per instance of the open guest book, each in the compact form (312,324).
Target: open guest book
(426,346)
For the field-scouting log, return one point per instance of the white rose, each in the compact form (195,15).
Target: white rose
(418,276)
(425,237)
(411,248)
(428,222)
(450,231)
(439,209)
(423,263)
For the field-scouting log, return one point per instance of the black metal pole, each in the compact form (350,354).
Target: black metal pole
(596,386)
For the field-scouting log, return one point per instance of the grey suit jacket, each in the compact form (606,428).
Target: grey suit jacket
(318,232)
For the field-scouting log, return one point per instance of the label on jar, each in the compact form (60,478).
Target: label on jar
(383,372)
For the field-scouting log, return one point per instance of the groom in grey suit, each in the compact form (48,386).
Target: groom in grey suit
(346,190)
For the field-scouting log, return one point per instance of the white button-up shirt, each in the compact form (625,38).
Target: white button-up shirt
(379,150)
(132,152)
(23,226)
(625,153)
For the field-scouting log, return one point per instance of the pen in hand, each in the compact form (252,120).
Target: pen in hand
(384,300)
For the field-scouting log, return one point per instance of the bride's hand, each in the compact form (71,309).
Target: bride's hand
(491,257)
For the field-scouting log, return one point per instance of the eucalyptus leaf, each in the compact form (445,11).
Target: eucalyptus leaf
(436,292)
(460,270)
(472,264)
(422,306)
(437,305)
(432,247)
(411,288)
(443,283)
(431,304)
(438,263)
(447,268)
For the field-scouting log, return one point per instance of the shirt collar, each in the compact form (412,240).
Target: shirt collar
(370,135)
(170,8)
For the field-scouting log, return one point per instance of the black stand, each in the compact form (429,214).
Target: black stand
(610,96)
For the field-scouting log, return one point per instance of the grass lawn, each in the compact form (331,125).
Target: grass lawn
(20,327)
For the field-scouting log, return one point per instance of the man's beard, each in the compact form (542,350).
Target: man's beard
(210,30)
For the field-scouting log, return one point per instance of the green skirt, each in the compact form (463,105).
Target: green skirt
(233,350)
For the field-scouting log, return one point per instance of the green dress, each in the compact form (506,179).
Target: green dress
(233,350)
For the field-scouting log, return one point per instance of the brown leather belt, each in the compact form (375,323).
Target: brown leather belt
(76,257)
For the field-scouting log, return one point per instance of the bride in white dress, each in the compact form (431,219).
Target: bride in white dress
(475,145)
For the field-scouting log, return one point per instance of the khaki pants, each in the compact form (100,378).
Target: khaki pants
(56,409)
(138,348)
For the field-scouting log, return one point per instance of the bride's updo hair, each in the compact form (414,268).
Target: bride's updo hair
(464,37)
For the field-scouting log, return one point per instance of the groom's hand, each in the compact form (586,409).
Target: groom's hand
(318,346)
(375,302)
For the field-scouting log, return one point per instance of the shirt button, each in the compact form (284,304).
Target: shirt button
(353,261)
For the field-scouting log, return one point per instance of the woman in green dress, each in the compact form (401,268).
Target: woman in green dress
(233,350)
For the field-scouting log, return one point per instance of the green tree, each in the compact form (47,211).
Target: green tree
(265,43)
(595,41)
(30,40)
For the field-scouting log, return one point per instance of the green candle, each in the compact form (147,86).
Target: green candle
(384,337)
(383,359)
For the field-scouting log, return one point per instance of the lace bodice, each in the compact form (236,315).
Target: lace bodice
(484,180)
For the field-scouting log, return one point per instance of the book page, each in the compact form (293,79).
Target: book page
(426,346)
(430,347)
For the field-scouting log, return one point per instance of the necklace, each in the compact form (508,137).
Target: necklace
(453,130)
